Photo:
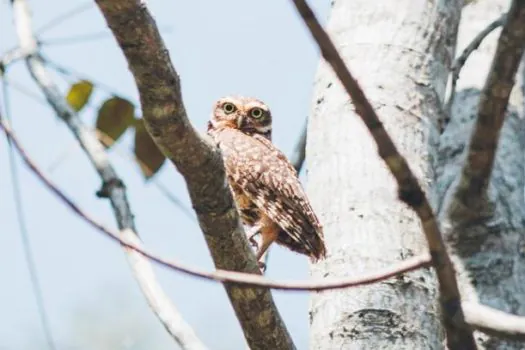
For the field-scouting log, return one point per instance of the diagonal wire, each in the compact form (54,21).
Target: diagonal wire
(76,39)
(65,16)
(24,90)
(70,72)
(28,253)
(83,38)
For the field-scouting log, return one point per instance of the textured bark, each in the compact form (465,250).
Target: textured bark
(200,164)
(400,52)
(487,234)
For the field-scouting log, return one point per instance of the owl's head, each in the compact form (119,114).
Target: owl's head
(246,114)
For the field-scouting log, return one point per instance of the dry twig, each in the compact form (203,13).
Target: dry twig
(459,336)
(462,59)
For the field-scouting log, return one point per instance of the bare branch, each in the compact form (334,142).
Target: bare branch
(478,316)
(299,152)
(459,336)
(494,322)
(199,161)
(9,57)
(113,188)
(462,59)
(477,169)
(245,279)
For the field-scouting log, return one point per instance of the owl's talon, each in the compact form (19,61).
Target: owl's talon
(252,232)
(262,266)
(254,243)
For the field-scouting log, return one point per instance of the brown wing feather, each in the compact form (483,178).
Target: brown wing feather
(275,152)
(270,181)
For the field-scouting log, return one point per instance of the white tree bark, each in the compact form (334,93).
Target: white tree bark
(488,238)
(400,51)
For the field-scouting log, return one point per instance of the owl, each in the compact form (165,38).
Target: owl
(265,186)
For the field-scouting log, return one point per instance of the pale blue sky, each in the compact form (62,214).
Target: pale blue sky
(256,48)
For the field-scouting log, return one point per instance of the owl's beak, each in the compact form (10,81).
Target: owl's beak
(240,120)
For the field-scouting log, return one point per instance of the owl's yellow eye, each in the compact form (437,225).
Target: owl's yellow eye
(229,108)
(256,113)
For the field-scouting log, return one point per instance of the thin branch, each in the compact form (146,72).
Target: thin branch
(299,152)
(200,163)
(246,279)
(113,187)
(480,317)
(9,57)
(24,234)
(492,106)
(459,336)
(462,59)
(494,322)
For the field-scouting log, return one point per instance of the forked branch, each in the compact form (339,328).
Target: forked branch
(462,59)
(494,98)
(459,336)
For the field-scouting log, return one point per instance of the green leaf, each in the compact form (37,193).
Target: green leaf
(79,94)
(115,116)
(148,155)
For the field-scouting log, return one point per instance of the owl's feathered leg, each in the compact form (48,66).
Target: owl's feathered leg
(269,232)
(251,233)
(264,261)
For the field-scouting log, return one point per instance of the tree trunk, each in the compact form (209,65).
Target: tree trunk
(400,52)
(487,239)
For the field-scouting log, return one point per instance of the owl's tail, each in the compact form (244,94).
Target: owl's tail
(319,249)
(314,246)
